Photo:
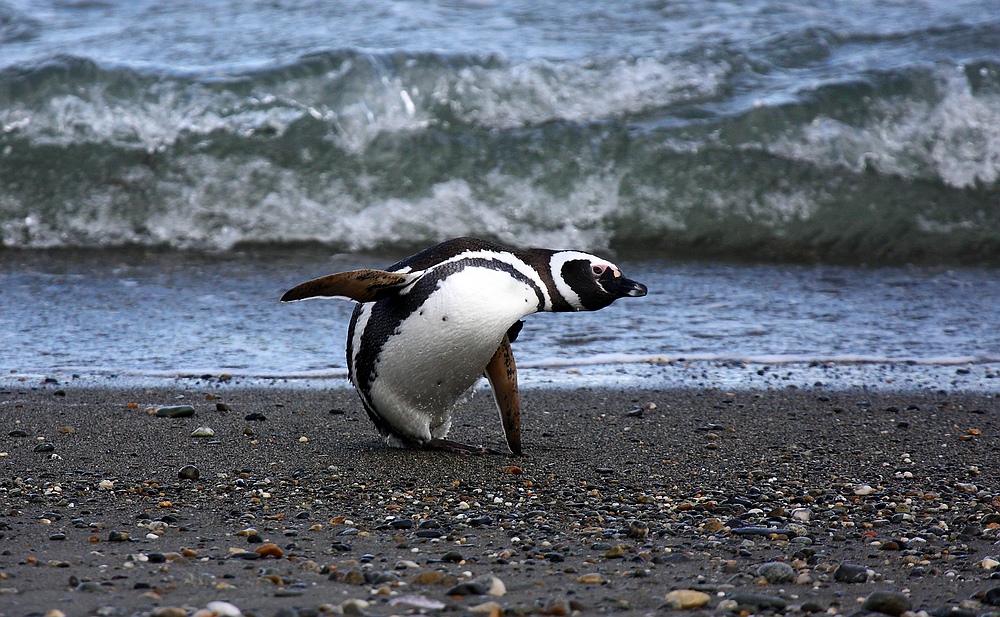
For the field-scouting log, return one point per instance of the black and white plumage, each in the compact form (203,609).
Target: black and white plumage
(429,326)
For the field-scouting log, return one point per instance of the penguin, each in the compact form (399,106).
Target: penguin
(426,329)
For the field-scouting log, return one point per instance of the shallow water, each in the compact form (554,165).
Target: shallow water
(155,316)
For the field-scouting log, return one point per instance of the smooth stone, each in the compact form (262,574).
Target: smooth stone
(255,417)
(188,472)
(686,598)
(175,411)
(118,536)
(887,602)
(850,573)
(776,572)
(223,609)
(494,586)
(992,596)
(45,446)
(452,557)
(354,607)
(203,431)
(403,523)
(760,600)
(468,589)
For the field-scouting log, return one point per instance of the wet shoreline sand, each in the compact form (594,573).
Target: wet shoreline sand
(623,497)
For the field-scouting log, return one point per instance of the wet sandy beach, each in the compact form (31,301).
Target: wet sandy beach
(771,501)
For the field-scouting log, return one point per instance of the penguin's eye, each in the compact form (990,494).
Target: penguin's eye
(599,269)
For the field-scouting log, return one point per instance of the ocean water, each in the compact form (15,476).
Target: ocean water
(810,189)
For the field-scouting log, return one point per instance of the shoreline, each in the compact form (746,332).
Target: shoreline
(624,495)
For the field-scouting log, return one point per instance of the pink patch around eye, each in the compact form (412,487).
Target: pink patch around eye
(599,270)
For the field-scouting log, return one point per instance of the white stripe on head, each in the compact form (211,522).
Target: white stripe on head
(556,264)
(511,260)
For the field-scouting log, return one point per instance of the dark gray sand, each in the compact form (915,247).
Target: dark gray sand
(766,502)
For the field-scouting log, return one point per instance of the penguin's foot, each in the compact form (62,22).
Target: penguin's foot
(456,447)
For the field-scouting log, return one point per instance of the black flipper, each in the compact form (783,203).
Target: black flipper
(502,373)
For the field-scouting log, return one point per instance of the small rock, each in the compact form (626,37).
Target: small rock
(168,611)
(203,431)
(850,573)
(421,603)
(776,572)
(174,411)
(269,550)
(188,472)
(354,607)
(223,609)
(615,552)
(556,607)
(452,557)
(488,609)
(467,589)
(638,529)
(494,586)
(591,579)
(686,598)
(118,536)
(431,577)
(255,417)
(992,596)
(801,514)
(887,602)
(759,600)
(863,489)
(354,577)
(45,446)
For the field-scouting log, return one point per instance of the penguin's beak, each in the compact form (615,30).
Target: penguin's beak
(627,287)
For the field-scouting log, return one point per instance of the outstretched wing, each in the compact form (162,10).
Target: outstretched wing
(358,285)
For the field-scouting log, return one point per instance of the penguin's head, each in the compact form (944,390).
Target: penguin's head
(588,283)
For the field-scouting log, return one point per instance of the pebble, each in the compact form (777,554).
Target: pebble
(488,609)
(203,431)
(686,598)
(863,489)
(776,572)
(850,573)
(418,602)
(223,609)
(269,550)
(431,577)
(188,472)
(118,536)
(45,446)
(591,579)
(992,596)
(468,589)
(255,417)
(174,411)
(887,602)
(759,600)
(354,607)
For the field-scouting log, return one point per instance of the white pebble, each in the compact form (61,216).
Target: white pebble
(223,609)
(863,489)
(203,431)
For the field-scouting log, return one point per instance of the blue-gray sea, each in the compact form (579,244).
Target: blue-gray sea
(811,190)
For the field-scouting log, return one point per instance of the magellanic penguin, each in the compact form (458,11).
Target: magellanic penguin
(429,326)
